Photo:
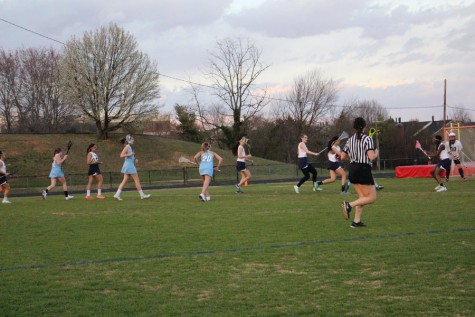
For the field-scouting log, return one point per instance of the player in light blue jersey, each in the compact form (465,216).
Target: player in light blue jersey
(57,174)
(129,169)
(207,168)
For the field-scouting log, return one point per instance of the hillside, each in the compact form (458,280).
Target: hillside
(31,154)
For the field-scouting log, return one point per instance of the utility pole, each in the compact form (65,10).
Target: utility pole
(445,107)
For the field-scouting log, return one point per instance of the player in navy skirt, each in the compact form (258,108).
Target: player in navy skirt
(443,164)
(4,186)
(306,167)
(334,165)
(242,158)
(94,172)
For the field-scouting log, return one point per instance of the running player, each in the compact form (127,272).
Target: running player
(57,174)
(306,167)
(92,159)
(334,165)
(443,164)
(4,186)
(129,169)
(241,160)
(361,152)
(206,168)
(454,148)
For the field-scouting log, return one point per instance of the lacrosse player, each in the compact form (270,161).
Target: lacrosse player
(334,165)
(4,186)
(57,174)
(206,168)
(454,148)
(92,159)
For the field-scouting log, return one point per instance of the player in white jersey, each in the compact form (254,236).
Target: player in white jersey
(4,186)
(334,165)
(306,167)
(442,165)
(454,149)
(241,160)
(207,168)
(92,159)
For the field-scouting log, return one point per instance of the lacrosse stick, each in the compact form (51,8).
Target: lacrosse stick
(418,146)
(70,144)
(343,136)
(183,159)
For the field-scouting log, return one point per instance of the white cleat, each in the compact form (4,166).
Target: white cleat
(202,197)
(442,189)
(44,194)
(438,187)
(69,197)
(117,197)
(297,189)
(6,202)
(145,196)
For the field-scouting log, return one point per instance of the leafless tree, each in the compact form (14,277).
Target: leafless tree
(113,83)
(460,114)
(311,98)
(233,70)
(370,110)
(9,77)
(30,94)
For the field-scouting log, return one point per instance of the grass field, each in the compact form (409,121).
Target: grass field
(268,252)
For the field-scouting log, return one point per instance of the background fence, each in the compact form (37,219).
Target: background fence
(185,176)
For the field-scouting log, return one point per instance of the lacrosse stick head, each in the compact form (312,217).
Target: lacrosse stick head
(418,145)
(183,159)
(129,139)
(70,144)
(344,135)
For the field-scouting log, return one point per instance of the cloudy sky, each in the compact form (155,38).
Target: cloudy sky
(397,52)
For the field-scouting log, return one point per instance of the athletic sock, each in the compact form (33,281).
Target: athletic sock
(141,193)
(99,191)
(88,192)
(66,193)
(461,173)
(319,183)
(46,190)
(343,188)
(118,192)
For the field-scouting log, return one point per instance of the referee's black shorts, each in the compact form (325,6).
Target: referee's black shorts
(361,174)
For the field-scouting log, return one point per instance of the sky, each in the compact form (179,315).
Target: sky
(398,53)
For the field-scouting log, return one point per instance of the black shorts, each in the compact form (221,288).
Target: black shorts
(3,180)
(334,165)
(444,164)
(241,166)
(361,174)
(303,162)
(94,170)
(456,161)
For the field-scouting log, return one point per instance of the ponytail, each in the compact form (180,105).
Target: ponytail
(330,143)
(359,124)
(89,148)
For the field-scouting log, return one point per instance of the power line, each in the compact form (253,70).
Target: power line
(31,31)
(211,87)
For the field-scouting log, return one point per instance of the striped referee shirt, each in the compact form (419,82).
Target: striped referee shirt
(356,149)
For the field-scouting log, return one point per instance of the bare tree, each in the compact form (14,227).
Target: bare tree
(113,83)
(312,96)
(9,76)
(370,110)
(31,97)
(460,114)
(233,69)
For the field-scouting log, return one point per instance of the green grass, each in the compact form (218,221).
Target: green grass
(268,252)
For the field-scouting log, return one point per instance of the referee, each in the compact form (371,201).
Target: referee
(361,152)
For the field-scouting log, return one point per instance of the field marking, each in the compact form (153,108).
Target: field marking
(236,250)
